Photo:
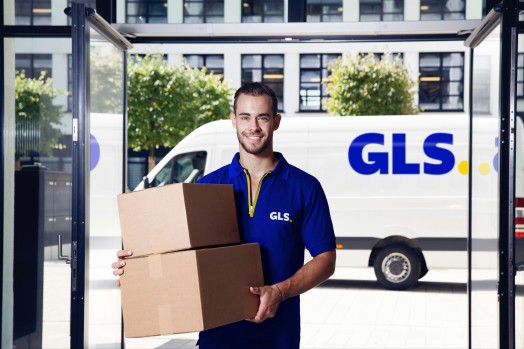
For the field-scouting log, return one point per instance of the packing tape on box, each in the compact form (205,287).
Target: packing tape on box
(165,320)
(155,266)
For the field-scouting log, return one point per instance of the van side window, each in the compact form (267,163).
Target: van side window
(183,168)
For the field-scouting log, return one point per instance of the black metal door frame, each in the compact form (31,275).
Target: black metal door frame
(508,115)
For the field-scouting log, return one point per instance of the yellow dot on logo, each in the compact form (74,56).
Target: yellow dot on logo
(484,168)
(463,167)
(290,221)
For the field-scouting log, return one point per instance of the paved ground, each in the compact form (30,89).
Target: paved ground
(349,311)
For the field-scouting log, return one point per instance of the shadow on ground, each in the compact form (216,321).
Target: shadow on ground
(421,286)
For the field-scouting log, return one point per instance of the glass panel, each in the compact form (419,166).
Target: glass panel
(106,182)
(484,217)
(193,9)
(309,61)
(40,166)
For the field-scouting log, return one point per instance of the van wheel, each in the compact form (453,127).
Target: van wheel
(397,267)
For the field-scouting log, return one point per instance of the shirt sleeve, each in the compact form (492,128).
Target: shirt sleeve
(317,228)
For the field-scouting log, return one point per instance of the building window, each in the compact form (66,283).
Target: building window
(392,56)
(262,11)
(440,9)
(268,69)
(213,63)
(381,10)
(34,64)
(324,11)
(314,73)
(203,11)
(146,11)
(33,12)
(441,81)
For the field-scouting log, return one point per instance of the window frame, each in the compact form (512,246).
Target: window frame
(440,11)
(204,17)
(325,4)
(322,68)
(252,4)
(382,12)
(205,58)
(147,16)
(442,81)
(262,70)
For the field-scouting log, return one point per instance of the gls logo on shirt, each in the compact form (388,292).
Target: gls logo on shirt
(278,216)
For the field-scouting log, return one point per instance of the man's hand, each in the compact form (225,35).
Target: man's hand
(118,266)
(270,299)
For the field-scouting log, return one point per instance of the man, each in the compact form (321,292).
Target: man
(282,208)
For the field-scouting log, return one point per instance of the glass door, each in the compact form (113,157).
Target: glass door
(107,166)
(46,275)
(38,166)
(484,220)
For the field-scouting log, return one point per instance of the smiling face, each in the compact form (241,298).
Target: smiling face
(255,124)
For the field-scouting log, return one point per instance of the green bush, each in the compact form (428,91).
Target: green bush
(166,102)
(362,85)
(38,120)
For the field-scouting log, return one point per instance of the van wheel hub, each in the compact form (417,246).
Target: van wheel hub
(396,267)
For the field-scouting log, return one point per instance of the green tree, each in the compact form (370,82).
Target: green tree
(362,85)
(38,120)
(166,102)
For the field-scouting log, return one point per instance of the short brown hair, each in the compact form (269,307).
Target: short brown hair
(257,89)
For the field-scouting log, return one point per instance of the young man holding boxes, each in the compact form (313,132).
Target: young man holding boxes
(283,209)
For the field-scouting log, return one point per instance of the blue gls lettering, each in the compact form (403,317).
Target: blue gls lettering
(432,150)
(400,166)
(377,161)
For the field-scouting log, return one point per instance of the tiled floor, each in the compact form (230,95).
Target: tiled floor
(349,311)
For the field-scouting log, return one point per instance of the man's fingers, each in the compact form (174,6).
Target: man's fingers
(118,272)
(118,264)
(124,253)
(117,283)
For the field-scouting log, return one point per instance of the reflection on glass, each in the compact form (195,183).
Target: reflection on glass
(484,207)
(42,173)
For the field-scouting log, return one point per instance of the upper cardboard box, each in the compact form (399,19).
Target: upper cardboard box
(178,217)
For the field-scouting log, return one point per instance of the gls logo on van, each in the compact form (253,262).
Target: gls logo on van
(379,161)
(278,216)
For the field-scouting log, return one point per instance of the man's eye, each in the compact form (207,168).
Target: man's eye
(263,118)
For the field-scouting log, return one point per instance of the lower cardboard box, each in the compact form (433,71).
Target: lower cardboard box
(189,291)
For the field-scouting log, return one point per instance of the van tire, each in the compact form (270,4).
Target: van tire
(397,267)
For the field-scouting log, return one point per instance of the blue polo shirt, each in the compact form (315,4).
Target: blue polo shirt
(290,213)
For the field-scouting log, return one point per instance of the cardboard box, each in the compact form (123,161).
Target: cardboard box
(177,217)
(189,291)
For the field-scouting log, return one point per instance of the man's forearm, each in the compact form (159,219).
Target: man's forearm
(317,270)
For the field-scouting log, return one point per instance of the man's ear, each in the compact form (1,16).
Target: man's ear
(233,118)
(276,121)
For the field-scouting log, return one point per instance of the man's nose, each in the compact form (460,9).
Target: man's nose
(253,124)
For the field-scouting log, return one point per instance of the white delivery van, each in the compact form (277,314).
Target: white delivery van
(397,186)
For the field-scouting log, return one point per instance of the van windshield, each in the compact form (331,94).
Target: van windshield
(183,168)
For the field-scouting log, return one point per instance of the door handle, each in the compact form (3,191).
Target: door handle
(61,257)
